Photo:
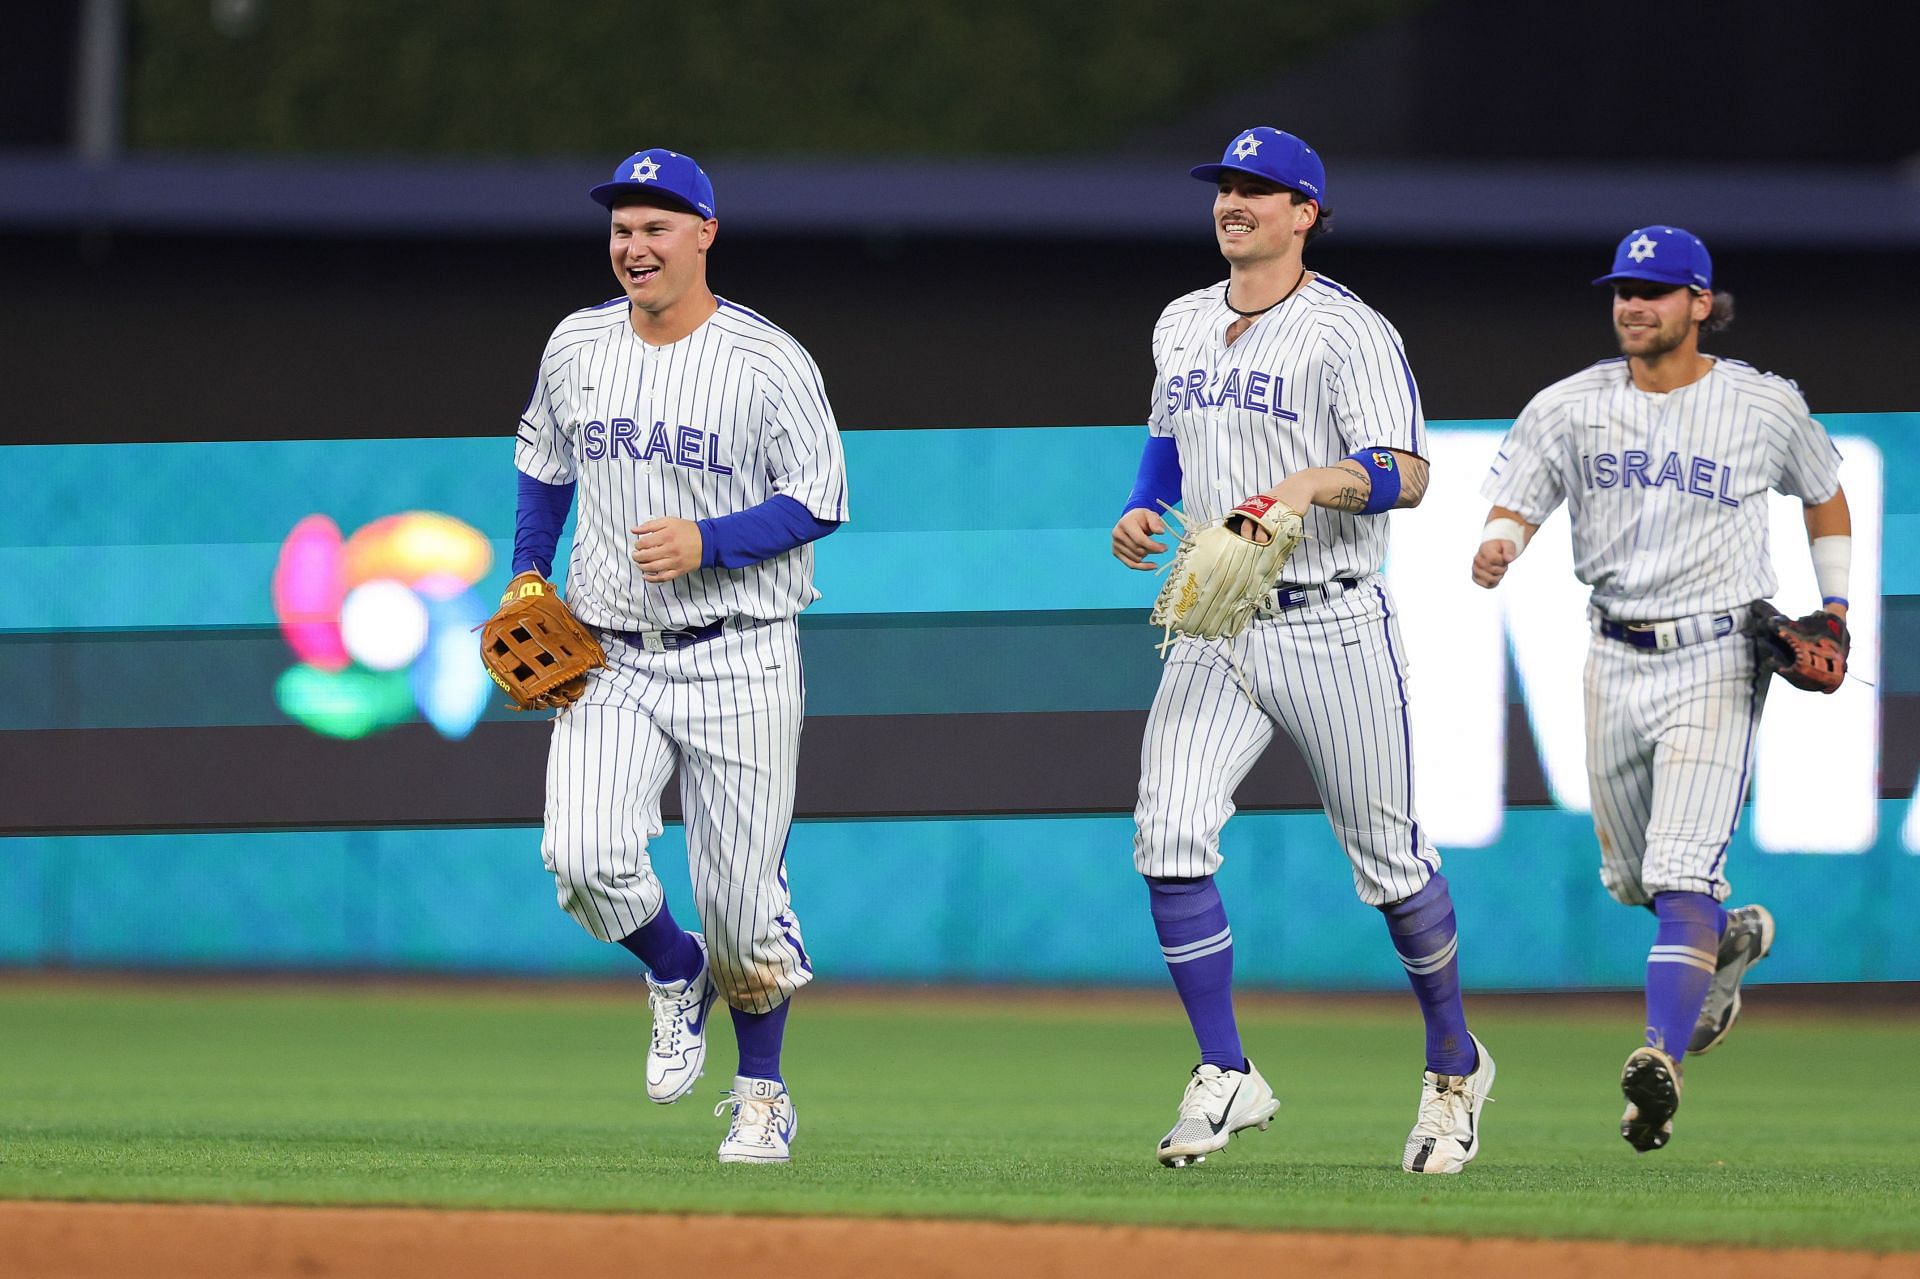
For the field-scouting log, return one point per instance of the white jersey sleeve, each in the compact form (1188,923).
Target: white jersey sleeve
(1159,411)
(544,447)
(1527,475)
(1374,399)
(1809,459)
(805,460)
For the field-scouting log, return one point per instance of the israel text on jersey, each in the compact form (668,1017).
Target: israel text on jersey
(716,422)
(1317,378)
(1663,486)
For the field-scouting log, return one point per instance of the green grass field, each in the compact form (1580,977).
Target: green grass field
(1800,1130)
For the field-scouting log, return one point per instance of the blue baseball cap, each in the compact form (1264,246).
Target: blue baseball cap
(1274,155)
(1663,254)
(659,173)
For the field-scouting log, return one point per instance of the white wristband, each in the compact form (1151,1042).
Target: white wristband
(1832,560)
(1506,530)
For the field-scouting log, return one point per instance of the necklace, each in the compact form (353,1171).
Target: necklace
(1226,295)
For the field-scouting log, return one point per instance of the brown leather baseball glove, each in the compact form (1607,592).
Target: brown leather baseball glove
(1808,652)
(535,649)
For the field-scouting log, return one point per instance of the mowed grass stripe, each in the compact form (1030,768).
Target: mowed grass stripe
(1797,1131)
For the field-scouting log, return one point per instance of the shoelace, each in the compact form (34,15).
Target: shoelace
(667,1022)
(1213,1086)
(1441,1098)
(754,1115)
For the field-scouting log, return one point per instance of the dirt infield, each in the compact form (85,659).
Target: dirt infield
(91,1241)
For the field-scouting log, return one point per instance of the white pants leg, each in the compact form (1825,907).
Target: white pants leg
(1330,674)
(1669,758)
(728,711)
(738,727)
(1202,737)
(606,766)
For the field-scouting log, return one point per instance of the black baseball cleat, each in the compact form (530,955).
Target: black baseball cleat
(1651,1082)
(1746,941)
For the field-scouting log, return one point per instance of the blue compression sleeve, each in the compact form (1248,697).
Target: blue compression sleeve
(758,533)
(536,523)
(1159,478)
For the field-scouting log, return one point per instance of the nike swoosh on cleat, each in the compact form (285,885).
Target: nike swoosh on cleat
(1225,1112)
(696,1024)
(1466,1147)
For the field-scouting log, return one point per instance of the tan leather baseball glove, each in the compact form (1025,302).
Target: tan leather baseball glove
(535,649)
(1221,572)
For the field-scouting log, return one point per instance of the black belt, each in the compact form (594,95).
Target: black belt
(1678,633)
(662,641)
(1288,595)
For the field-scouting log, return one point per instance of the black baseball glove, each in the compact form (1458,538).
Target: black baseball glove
(1808,652)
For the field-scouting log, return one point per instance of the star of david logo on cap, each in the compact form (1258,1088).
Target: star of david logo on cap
(646,170)
(1641,249)
(1246,146)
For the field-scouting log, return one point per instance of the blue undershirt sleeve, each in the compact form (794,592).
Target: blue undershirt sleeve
(758,533)
(537,521)
(1159,478)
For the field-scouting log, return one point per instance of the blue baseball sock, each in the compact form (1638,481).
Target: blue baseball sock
(759,1036)
(1423,933)
(668,950)
(1680,967)
(1198,946)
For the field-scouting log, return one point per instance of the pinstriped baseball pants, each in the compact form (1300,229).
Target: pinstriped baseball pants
(1669,755)
(728,713)
(1332,675)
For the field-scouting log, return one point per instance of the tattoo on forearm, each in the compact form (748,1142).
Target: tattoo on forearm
(1413,481)
(1352,498)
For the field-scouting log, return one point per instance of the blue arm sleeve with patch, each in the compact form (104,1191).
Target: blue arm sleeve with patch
(1159,478)
(760,532)
(542,510)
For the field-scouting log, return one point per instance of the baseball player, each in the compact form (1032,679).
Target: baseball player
(698,439)
(1664,456)
(1280,381)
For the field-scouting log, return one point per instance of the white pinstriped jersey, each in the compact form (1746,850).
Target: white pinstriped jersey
(1320,376)
(721,420)
(1667,492)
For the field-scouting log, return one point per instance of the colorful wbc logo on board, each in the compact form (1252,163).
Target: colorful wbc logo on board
(382,624)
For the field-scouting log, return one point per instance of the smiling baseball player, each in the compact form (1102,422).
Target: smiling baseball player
(706,459)
(1664,457)
(1279,385)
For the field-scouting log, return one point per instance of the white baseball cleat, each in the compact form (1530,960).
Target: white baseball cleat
(678,1053)
(1746,941)
(1217,1104)
(1446,1134)
(763,1122)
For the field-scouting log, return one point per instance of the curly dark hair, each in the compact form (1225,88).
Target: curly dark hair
(1721,315)
(1322,224)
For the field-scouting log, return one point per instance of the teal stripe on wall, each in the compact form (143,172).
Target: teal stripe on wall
(159,536)
(1037,900)
(236,493)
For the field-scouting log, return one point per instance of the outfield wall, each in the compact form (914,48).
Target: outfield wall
(978,673)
